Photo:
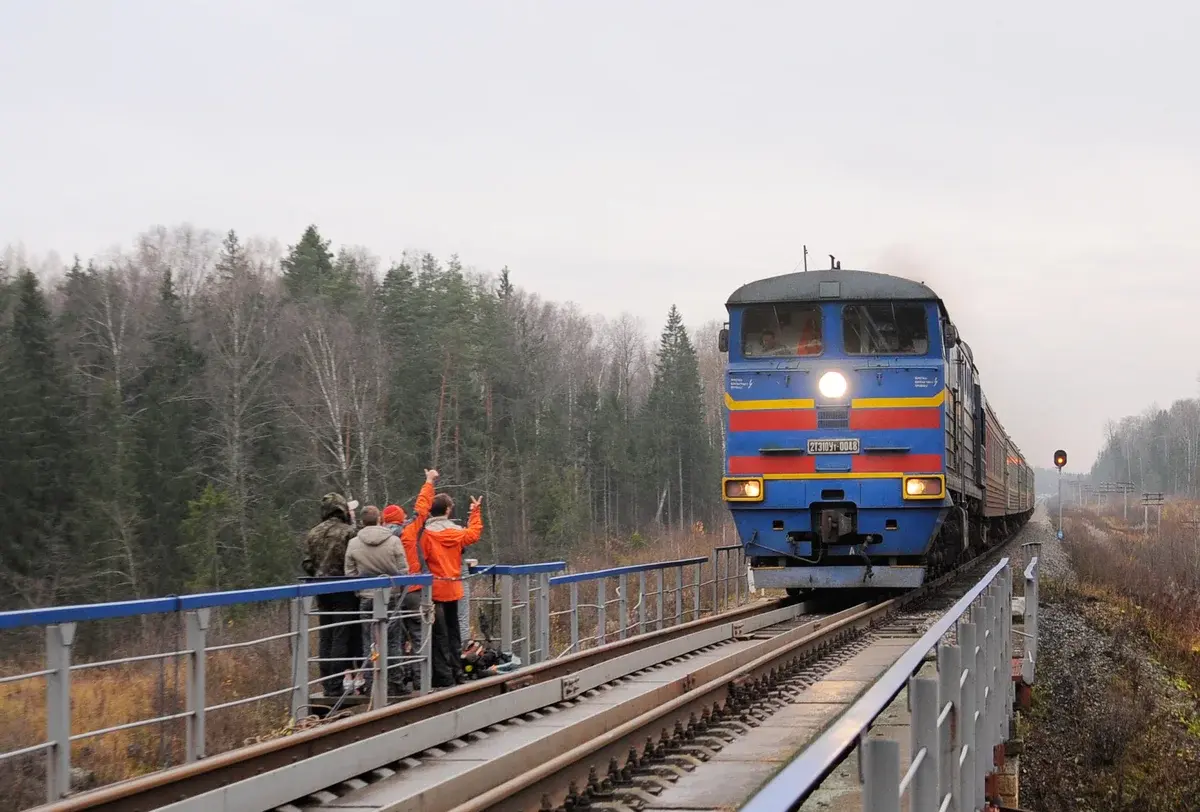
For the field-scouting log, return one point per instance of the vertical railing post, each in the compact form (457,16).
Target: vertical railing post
(716,604)
(623,605)
(983,744)
(379,629)
(879,761)
(949,665)
(427,638)
(725,578)
(1010,688)
(696,591)
(196,634)
(642,602)
(506,615)
(526,618)
(464,603)
(59,639)
(544,615)
(966,719)
(737,577)
(679,595)
(658,617)
(601,612)
(996,720)
(574,616)
(923,694)
(299,609)
(1029,661)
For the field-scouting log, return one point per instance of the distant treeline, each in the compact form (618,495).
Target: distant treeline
(172,415)
(1158,450)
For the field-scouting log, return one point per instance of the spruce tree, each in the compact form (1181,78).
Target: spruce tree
(308,267)
(38,455)
(169,419)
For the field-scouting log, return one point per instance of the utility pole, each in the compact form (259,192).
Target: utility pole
(1155,499)
(806,259)
(1194,524)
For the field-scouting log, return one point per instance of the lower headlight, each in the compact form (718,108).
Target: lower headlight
(747,490)
(924,487)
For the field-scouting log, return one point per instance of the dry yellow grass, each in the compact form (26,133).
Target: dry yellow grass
(1153,576)
(108,696)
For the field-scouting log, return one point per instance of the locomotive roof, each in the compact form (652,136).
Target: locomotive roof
(816,285)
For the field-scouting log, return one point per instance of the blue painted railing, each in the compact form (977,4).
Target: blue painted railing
(522,592)
(183,603)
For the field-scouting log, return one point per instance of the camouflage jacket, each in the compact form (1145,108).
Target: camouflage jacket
(325,547)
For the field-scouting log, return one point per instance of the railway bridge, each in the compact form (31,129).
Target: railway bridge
(666,686)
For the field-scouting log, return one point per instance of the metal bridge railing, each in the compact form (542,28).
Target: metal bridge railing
(541,615)
(195,611)
(958,717)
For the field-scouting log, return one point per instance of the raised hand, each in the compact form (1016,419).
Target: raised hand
(476,501)
(431,475)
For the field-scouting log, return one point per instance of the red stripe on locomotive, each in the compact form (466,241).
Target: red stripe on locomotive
(774,420)
(868,419)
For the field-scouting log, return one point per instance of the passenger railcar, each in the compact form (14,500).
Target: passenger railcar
(860,448)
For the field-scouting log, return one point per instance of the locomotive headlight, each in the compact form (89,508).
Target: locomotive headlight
(832,384)
(924,487)
(743,490)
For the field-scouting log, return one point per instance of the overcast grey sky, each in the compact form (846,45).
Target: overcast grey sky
(1037,163)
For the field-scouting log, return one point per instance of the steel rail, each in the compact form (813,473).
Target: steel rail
(587,772)
(188,780)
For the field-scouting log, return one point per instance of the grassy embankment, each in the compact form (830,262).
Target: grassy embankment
(113,695)
(1131,709)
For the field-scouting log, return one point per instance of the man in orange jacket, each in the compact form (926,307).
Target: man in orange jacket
(410,605)
(442,541)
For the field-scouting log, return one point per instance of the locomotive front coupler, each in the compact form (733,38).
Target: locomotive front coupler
(835,523)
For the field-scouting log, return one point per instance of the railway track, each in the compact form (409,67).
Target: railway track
(613,727)
(650,761)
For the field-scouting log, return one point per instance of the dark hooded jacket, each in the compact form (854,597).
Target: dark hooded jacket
(325,545)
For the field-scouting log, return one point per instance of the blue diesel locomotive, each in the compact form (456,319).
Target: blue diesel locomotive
(860,450)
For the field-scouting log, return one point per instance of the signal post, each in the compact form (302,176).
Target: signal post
(1060,460)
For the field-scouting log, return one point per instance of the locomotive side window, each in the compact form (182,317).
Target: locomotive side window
(781,330)
(885,328)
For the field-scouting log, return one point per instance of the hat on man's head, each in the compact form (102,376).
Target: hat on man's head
(334,504)
(393,514)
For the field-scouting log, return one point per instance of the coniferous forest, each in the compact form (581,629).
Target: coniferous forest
(172,414)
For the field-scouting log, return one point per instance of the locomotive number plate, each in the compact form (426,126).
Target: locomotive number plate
(833,446)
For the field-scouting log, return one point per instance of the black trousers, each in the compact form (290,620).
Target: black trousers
(447,644)
(411,604)
(342,644)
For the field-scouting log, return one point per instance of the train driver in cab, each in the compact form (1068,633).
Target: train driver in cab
(810,336)
(771,345)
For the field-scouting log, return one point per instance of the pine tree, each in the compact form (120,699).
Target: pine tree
(170,415)
(674,425)
(232,261)
(308,268)
(504,289)
(38,455)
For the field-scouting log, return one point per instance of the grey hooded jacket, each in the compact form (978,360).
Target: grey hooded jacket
(376,550)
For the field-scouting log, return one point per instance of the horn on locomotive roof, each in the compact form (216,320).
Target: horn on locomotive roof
(834,265)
